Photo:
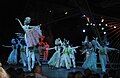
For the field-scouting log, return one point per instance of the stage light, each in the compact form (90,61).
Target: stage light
(114,26)
(83,30)
(83,15)
(93,24)
(106,24)
(87,24)
(50,11)
(66,12)
(104,32)
(88,19)
(99,24)
(102,20)
(102,28)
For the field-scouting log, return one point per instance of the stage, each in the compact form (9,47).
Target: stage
(57,72)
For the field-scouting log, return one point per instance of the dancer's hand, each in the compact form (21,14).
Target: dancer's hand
(16,19)
(3,45)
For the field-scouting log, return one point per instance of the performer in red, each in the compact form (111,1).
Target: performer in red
(42,45)
(46,51)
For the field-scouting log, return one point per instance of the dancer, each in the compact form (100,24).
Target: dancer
(86,41)
(12,59)
(37,54)
(42,47)
(72,54)
(65,58)
(23,52)
(32,35)
(85,51)
(91,60)
(30,58)
(85,48)
(46,51)
(103,57)
(55,59)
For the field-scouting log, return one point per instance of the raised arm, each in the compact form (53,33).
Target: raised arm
(7,46)
(19,41)
(75,47)
(51,48)
(19,22)
(110,49)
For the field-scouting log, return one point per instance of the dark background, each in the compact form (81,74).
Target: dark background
(55,23)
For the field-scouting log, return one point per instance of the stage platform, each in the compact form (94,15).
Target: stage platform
(59,72)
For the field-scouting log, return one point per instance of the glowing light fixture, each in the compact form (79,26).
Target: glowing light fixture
(102,28)
(99,24)
(66,12)
(93,24)
(83,15)
(114,26)
(106,24)
(83,30)
(104,32)
(102,20)
(87,24)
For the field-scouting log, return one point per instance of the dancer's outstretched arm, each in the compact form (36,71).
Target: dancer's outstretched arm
(19,22)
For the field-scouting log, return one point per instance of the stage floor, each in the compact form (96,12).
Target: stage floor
(57,73)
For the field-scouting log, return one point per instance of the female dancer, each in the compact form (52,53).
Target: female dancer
(91,60)
(37,54)
(32,35)
(12,59)
(55,59)
(23,52)
(103,57)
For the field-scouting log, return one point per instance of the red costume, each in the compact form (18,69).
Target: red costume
(46,51)
(44,47)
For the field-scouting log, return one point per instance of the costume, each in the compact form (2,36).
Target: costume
(37,54)
(91,61)
(55,59)
(46,51)
(30,58)
(23,54)
(103,56)
(32,36)
(72,55)
(12,59)
(65,58)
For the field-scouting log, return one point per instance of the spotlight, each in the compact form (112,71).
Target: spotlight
(83,15)
(102,28)
(114,26)
(88,19)
(50,11)
(66,12)
(106,24)
(87,24)
(83,30)
(104,32)
(102,20)
(93,24)
(99,24)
